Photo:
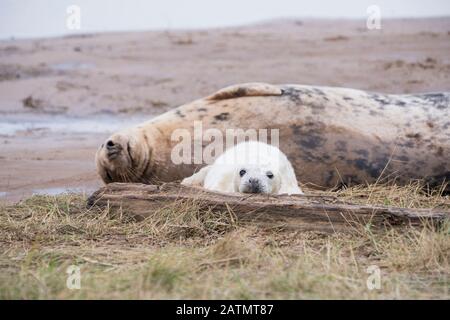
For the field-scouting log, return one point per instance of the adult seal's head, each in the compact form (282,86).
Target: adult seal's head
(143,153)
(126,156)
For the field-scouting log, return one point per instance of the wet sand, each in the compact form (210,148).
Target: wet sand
(61,97)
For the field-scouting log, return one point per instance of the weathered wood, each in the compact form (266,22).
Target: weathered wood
(313,212)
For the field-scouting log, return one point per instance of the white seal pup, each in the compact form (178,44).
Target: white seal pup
(249,167)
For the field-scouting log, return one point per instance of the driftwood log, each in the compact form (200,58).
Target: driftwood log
(310,212)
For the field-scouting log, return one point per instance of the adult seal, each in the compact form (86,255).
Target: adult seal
(332,136)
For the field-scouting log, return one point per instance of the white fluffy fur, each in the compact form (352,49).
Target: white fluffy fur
(264,165)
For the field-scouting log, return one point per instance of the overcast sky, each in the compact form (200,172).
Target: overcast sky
(40,18)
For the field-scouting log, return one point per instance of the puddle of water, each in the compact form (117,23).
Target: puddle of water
(10,126)
(72,65)
(3,194)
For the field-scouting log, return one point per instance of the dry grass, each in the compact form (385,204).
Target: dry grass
(186,253)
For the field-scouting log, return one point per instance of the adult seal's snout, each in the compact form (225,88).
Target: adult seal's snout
(113,149)
(109,144)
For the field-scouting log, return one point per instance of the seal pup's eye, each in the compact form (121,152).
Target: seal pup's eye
(269,174)
(242,172)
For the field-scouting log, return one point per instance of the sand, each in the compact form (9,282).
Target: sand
(61,97)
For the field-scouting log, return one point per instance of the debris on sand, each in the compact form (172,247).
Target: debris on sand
(15,72)
(42,106)
(337,38)
(30,102)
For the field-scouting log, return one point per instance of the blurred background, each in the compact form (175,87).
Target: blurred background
(43,18)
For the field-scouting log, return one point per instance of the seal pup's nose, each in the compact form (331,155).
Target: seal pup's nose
(254,185)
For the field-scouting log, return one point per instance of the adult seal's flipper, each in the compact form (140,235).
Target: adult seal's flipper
(253,89)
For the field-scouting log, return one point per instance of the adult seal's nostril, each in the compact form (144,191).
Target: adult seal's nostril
(112,149)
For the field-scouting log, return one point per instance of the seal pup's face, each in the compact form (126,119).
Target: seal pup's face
(121,158)
(257,179)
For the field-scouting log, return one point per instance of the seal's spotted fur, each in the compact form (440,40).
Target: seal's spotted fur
(331,135)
